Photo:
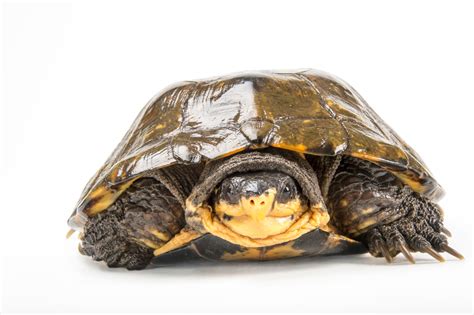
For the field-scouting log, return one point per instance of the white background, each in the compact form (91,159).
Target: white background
(76,74)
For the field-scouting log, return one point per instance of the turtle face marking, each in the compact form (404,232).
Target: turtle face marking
(259,204)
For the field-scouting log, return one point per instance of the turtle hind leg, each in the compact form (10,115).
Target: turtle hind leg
(142,219)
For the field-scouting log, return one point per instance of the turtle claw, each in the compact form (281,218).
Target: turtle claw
(380,247)
(407,253)
(446,231)
(430,251)
(452,251)
(386,253)
(70,233)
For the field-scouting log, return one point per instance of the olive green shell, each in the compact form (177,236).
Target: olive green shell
(306,111)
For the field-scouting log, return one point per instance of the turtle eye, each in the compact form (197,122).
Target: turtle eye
(286,192)
(229,190)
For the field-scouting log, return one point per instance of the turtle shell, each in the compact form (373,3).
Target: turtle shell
(307,111)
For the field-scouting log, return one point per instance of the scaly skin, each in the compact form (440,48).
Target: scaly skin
(374,207)
(117,236)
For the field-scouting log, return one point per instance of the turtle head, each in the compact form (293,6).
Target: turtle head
(257,199)
(259,204)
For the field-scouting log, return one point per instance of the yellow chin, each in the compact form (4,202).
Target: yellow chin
(275,228)
(259,224)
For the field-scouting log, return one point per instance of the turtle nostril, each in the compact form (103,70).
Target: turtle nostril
(253,203)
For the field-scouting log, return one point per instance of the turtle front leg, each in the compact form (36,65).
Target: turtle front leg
(141,220)
(421,230)
(373,206)
(106,239)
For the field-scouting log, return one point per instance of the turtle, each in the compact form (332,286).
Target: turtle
(259,166)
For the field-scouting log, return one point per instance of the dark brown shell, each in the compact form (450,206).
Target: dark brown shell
(307,111)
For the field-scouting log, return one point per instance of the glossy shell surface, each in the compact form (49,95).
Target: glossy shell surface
(307,111)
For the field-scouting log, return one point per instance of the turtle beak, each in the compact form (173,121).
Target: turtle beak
(258,207)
